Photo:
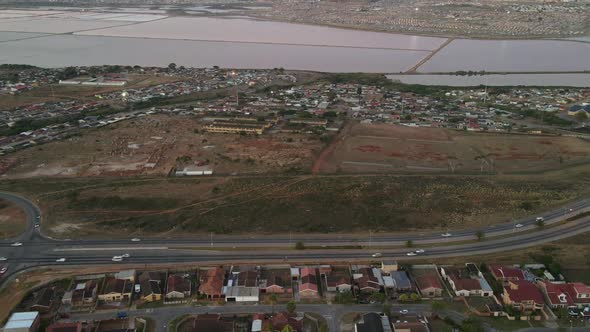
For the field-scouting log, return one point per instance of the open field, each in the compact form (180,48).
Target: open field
(301,204)
(389,148)
(56,92)
(13,220)
(154,145)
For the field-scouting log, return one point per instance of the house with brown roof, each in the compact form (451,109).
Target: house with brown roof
(523,295)
(151,285)
(84,293)
(116,290)
(211,283)
(463,283)
(282,319)
(429,285)
(309,282)
(209,323)
(277,281)
(568,295)
(68,327)
(367,280)
(178,287)
(338,281)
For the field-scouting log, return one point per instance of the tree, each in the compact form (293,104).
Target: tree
(291,307)
(378,297)
(581,116)
(172,66)
(404,298)
(480,235)
(409,243)
(299,245)
(415,297)
(273,300)
(287,328)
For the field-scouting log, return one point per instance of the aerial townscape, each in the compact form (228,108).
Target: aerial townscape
(294,166)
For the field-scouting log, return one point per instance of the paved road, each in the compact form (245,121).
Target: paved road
(332,313)
(38,250)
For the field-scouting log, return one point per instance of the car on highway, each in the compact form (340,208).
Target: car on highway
(411,253)
(16,244)
(539,219)
(38,217)
(377,254)
(403,311)
(446,235)
(37,225)
(420,251)
(3,270)
(60,260)
(117,258)
(126,255)
(518,225)
(2,259)
(135,239)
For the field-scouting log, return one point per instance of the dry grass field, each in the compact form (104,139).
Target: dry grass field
(13,220)
(132,147)
(384,148)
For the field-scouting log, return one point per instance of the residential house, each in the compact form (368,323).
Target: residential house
(23,322)
(212,323)
(151,284)
(506,273)
(277,281)
(309,282)
(178,287)
(212,283)
(242,286)
(398,281)
(373,322)
(43,300)
(429,285)
(569,295)
(368,280)
(338,281)
(523,295)
(116,290)
(84,293)
(463,283)
(282,319)
(389,266)
(126,274)
(68,327)
(410,327)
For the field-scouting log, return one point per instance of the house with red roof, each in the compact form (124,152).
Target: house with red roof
(570,295)
(506,273)
(429,285)
(212,283)
(464,283)
(178,287)
(523,295)
(309,283)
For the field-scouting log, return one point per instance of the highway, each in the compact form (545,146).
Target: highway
(39,250)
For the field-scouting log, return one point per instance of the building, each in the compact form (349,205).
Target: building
(464,283)
(212,283)
(178,287)
(151,284)
(506,273)
(116,290)
(211,322)
(277,281)
(242,285)
(338,281)
(429,285)
(398,281)
(373,322)
(419,326)
(237,127)
(194,171)
(368,280)
(84,293)
(569,295)
(389,266)
(23,322)
(523,295)
(309,282)
(68,327)
(126,274)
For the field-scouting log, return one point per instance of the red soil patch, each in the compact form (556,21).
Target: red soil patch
(368,148)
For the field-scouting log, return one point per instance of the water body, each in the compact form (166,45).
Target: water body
(510,55)
(94,37)
(73,50)
(573,80)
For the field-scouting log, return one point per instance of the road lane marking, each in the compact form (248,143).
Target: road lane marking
(110,249)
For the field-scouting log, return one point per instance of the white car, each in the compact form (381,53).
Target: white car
(539,219)
(37,225)
(60,260)
(117,258)
(377,254)
(518,225)
(125,255)
(16,244)
(2,259)
(135,239)
(137,288)
(411,253)
(420,251)
(446,235)
(403,311)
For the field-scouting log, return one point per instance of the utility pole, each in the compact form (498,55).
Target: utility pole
(211,234)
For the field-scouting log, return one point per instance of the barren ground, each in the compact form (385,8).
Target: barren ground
(13,220)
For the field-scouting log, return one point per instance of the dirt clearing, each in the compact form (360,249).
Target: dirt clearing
(13,220)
